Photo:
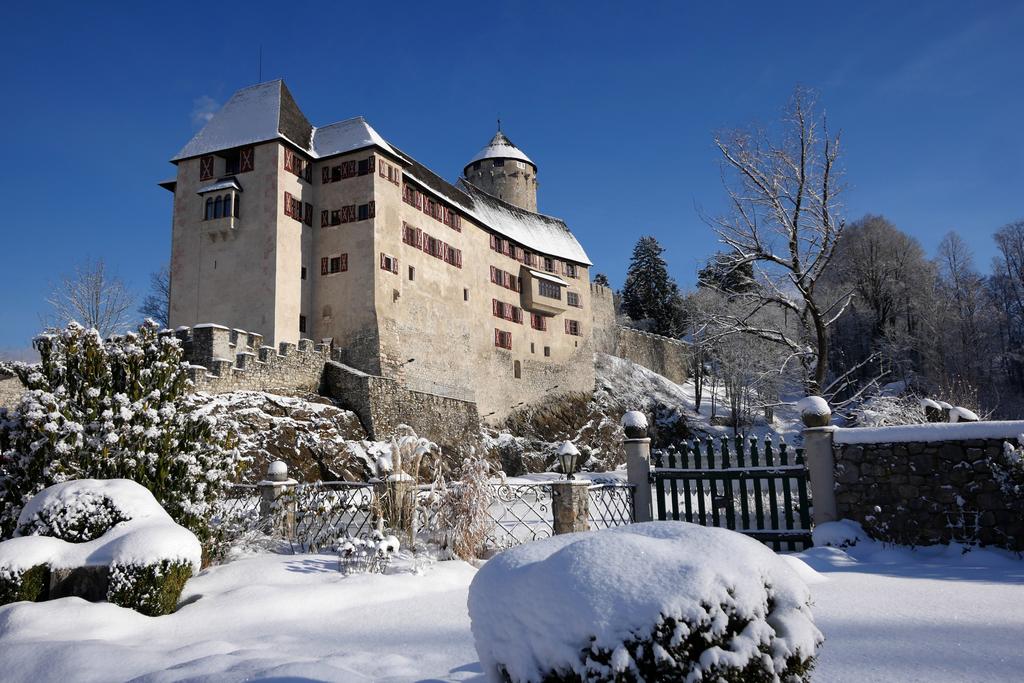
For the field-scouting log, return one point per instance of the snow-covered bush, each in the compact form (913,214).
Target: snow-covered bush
(84,518)
(149,556)
(367,555)
(107,410)
(1008,468)
(657,601)
(152,588)
(887,411)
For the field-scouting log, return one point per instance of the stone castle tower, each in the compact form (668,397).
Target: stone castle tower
(502,170)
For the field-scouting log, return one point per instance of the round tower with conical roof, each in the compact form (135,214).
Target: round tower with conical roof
(503,170)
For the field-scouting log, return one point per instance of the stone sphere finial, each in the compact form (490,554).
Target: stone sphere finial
(814,411)
(634,423)
(277,471)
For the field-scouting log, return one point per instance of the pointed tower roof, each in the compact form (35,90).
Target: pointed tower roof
(255,114)
(500,147)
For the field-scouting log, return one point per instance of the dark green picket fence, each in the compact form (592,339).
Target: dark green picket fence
(756,491)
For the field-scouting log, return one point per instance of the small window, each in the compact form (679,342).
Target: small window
(303,276)
(465,293)
(573,299)
(549,264)
(517,370)
(412,273)
(218,207)
(549,289)
(388,263)
(532,348)
(338,264)
(547,350)
(302,323)
(364,211)
(499,162)
(209,209)
(502,339)
(520,164)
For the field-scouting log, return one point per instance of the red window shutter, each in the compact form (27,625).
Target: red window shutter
(323,265)
(458,258)
(566,326)
(380,170)
(206,167)
(373,207)
(287,159)
(287,203)
(371,164)
(344,261)
(325,175)
(323,218)
(493,243)
(309,214)
(246,160)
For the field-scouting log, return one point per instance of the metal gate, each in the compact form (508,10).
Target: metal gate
(746,491)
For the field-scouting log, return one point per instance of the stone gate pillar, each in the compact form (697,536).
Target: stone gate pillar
(816,416)
(570,506)
(638,464)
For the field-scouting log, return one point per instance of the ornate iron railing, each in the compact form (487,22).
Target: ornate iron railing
(611,505)
(327,511)
(520,513)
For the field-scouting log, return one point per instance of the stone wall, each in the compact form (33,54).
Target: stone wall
(602,310)
(383,404)
(226,360)
(11,389)
(923,485)
(668,357)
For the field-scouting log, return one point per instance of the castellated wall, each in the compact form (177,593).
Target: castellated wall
(11,390)
(663,355)
(668,357)
(226,360)
(912,486)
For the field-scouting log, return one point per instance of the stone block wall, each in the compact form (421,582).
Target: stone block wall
(383,404)
(11,390)
(668,357)
(602,309)
(226,360)
(928,491)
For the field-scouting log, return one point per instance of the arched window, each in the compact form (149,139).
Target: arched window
(209,208)
(218,208)
(517,370)
(236,205)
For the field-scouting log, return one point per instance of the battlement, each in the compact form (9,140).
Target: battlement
(223,359)
(600,291)
(658,337)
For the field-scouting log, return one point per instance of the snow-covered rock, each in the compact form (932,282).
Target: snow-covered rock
(316,439)
(638,598)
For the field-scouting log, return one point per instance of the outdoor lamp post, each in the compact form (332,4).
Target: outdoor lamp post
(568,455)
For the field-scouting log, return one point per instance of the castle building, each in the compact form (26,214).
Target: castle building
(334,234)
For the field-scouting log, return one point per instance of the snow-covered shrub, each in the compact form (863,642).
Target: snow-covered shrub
(462,520)
(17,583)
(149,556)
(887,411)
(152,589)
(114,409)
(660,601)
(84,518)
(1008,468)
(367,555)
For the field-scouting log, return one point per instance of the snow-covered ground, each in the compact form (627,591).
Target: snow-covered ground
(888,614)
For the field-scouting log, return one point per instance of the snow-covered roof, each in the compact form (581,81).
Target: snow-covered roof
(259,113)
(548,276)
(223,184)
(347,136)
(267,111)
(535,231)
(500,147)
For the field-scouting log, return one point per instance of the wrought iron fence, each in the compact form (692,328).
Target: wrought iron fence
(327,511)
(611,505)
(520,513)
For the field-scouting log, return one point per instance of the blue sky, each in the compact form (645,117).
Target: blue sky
(616,102)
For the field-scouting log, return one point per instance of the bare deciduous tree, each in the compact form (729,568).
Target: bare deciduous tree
(93,298)
(785,219)
(157,304)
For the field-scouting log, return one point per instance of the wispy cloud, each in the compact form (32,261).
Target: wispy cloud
(203,109)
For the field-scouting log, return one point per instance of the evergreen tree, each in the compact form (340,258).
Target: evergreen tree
(649,293)
(601,279)
(110,410)
(728,274)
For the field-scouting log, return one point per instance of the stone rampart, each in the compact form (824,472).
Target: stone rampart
(11,389)
(224,360)
(928,484)
(668,357)
(383,404)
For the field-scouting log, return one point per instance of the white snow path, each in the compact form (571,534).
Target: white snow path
(930,615)
(887,614)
